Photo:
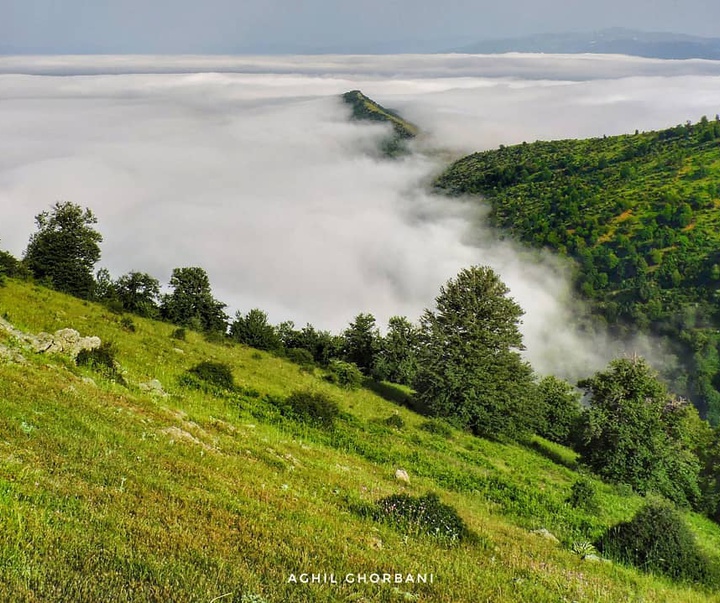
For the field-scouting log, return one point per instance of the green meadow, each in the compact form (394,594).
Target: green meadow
(113,492)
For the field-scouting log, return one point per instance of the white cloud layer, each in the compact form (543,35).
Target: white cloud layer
(257,175)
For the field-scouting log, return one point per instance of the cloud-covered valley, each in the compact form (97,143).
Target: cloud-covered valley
(252,170)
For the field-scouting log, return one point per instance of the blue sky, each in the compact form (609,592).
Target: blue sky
(230,26)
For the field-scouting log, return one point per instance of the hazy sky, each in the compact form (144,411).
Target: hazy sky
(229,26)
(258,176)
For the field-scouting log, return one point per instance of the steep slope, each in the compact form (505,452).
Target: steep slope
(366,109)
(640,214)
(113,492)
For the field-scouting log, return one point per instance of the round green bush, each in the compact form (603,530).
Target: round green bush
(658,540)
(312,407)
(345,374)
(102,359)
(218,374)
(583,495)
(422,515)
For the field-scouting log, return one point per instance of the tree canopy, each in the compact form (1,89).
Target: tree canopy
(633,432)
(469,366)
(191,302)
(65,248)
(254,330)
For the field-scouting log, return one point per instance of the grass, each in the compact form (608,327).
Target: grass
(111,493)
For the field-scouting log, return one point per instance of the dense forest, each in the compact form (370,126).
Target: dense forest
(640,216)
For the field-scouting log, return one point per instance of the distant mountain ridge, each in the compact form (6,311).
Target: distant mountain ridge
(617,40)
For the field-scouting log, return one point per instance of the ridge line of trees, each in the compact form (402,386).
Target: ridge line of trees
(462,360)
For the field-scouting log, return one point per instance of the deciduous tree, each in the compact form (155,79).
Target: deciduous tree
(469,366)
(65,248)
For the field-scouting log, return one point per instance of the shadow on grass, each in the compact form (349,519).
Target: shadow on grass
(395,394)
(552,452)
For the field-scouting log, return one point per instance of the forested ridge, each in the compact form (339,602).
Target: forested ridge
(639,214)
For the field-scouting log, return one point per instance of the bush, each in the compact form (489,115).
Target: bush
(584,496)
(395,420)
(422,515)
(180,334)
(311,407)
(437,427)
(114,305)
(300,356)
(218,374)
(657,540)
(102,359)
(345,374)
(128,324)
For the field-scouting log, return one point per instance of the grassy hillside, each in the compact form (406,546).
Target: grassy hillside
(109,492)
(366,109)
(640,214)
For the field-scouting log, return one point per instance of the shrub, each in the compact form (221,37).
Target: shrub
(657,540)
(102,359)
(344,374)
(395,420)
(115,306)
(583,495)
(437,427)
(180,334)
(300,356)
(422,515)
(311,407)
(128,324)
(218,374)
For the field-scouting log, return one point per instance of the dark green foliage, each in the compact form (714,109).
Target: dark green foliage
(395,421)
(313,407)
(191,303)
(584,496)
(657,540)
(361,342)
(639,215)
(218,374)
(139,293)
(635,434)
(180,334)
(65,248)
(128,324)
(437,427)
(710,477)
(12,267)
(104,290)
(254,330)
(560,409)
(422,515)
(300,356)
(321,344)
(103,360)
(469,368)
(396,357)
(344,374)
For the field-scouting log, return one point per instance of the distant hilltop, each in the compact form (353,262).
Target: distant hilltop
(617,40)
(366,109)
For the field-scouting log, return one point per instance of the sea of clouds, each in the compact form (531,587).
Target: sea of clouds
(250,168)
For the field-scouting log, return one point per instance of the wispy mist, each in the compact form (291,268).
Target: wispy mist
(261,179)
